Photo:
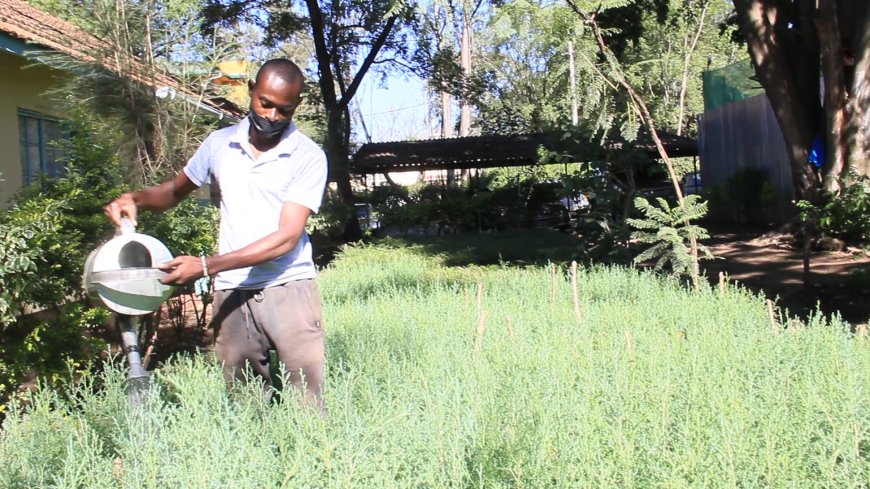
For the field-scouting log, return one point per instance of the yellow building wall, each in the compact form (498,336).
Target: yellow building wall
(22,85)
(236,75)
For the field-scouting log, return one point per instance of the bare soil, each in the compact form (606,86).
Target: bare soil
(772,263)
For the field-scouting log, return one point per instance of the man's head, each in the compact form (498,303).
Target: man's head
(275,94)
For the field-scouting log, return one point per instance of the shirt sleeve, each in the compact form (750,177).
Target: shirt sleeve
(308,186)
(198,168)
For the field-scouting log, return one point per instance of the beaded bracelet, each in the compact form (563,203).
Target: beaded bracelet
(204,267)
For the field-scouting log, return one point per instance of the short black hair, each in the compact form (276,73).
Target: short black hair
(284,69)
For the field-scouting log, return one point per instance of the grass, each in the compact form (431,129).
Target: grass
(487,377)
(516,246)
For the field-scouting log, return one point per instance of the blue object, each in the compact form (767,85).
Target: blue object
(817,152)
(201,286)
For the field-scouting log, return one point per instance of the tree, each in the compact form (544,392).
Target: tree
(792,43)
(436,58)
(666,62)
(674,225)
(444,25)
(663,46)
(350,38)
(139,44)
(523,64)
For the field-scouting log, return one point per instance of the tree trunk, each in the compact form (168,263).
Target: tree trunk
(758,23)
(857,132)
(336,153)
(465,63)
(447,127)
(835,95)
(575,118)
(336,144)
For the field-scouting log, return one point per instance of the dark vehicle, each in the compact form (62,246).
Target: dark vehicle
(658,188)
(367,218)
(552,214)
(691,183)
(550,204)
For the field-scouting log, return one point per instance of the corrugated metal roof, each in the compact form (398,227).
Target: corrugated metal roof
(20,20)
(499,151)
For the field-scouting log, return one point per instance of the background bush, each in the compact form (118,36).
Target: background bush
(745,198)
(51,227)
(847,216)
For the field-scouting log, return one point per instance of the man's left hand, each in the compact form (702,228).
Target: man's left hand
(182,270)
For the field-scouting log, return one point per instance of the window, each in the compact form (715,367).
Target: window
(40,151)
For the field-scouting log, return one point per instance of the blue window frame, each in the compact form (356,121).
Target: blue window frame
(41,153)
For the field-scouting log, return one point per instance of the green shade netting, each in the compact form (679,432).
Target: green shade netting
(729,84)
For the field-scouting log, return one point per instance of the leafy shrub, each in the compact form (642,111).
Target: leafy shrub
(189,228)
(18,261)
(50,228)
(845,216)
(746,198)
(327,226)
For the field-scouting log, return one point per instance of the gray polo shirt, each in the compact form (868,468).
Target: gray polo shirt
(252,194)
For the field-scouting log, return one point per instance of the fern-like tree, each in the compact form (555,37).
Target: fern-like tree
(524,59)
(679,227)
(139,48)
(667,230)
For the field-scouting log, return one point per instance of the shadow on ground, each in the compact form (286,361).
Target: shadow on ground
(839,282)
(761,260)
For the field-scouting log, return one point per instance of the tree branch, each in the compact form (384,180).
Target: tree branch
(326,79)
(639,106)
(687,60)
(370,58)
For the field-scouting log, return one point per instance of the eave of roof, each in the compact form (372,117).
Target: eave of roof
(12,44)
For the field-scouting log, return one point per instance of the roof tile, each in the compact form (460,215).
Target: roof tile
(32,25)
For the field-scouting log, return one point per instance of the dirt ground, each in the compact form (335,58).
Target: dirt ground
(771,263)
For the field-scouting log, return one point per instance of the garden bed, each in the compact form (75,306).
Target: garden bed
(488,376)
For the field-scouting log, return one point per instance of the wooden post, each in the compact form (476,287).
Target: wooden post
(574,289)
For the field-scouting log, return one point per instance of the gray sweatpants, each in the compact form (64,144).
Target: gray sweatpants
(287,318)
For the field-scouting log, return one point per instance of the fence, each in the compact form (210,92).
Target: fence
(745,134)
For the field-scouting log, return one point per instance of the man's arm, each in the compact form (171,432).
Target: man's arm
(156,198)
(291,225)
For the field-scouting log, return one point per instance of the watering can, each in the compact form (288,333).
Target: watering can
(122,274)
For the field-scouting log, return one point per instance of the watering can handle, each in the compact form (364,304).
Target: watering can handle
(126,226)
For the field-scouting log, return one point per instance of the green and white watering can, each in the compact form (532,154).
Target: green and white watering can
(122,272)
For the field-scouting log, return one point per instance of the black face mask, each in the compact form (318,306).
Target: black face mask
(266,128)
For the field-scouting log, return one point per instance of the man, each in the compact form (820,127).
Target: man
(271,178)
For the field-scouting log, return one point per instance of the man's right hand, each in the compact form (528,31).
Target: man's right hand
(155,198)
(123,206)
